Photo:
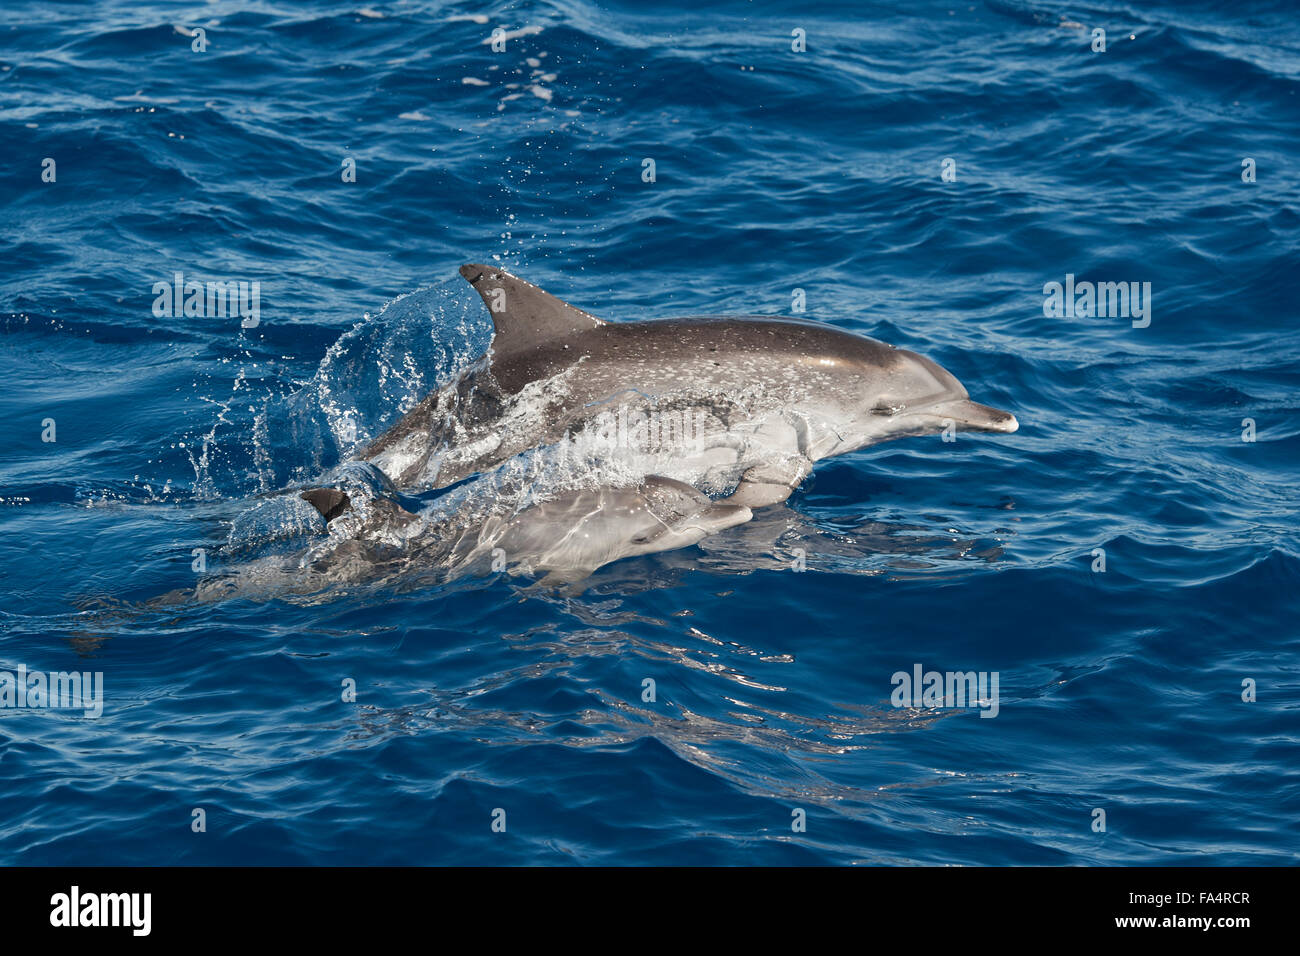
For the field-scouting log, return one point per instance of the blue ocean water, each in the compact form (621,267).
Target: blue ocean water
(1120,690)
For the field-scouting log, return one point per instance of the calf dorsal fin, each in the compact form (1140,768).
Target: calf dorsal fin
(523,315)
(330,502)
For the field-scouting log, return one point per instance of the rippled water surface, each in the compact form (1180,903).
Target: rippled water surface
(1120,690)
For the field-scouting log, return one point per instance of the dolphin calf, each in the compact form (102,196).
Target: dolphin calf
(573,534)
(738,407)
(357,528)
(568,533)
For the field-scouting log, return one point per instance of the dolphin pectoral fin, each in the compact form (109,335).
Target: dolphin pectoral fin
(770,483)
(330,502)
(565,578)
(524,316)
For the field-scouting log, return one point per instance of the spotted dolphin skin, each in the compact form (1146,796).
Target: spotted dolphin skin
(738,407)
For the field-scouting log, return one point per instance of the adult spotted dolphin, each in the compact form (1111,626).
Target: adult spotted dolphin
(739,407)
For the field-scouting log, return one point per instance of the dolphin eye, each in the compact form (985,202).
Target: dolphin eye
(887,407)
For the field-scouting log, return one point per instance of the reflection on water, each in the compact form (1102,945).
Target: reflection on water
(798,741)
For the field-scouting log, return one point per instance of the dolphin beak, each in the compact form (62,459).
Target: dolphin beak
(972,416)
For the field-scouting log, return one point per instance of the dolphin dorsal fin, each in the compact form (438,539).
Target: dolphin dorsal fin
(523,315)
